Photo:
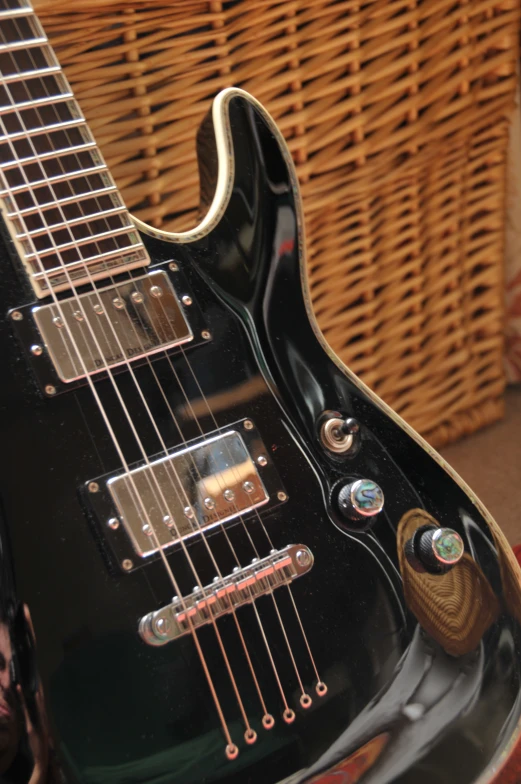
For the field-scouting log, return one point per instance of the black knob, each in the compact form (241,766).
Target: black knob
(434,550)
(360,499)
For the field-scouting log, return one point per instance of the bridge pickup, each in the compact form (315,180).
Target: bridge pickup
(243,586)
(112,325)
(214,479)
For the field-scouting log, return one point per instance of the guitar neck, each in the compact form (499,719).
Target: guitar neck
(61,206)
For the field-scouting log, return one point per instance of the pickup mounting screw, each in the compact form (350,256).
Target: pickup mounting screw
(281,495)
(37,350)
(16,315)
(173,266)
(50,390)
(127,564)
(262,461)
(186,300)
(248,424)
(205,334)
(93,487)
(114,523)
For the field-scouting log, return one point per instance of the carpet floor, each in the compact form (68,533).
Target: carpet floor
(490,462)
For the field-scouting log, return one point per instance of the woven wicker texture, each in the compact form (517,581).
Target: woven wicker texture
(396,114)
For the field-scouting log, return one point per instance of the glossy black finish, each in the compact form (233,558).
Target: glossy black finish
(121,711)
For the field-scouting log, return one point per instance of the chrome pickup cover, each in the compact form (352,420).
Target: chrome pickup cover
(225,594)
(187,492)
(112,325)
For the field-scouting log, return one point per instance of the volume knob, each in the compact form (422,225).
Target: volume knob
(360,499)
(434,550)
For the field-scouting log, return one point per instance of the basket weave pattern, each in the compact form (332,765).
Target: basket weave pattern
(396,113)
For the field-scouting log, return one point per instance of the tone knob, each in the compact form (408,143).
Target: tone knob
(360,499)
(434,550)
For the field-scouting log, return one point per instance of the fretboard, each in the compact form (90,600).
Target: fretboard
(60,203)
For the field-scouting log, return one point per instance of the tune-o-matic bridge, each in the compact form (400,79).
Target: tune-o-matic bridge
(225,594)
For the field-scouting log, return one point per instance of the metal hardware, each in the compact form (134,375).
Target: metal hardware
(37,350)
(205,334)
(289,716)
(282,496)
(50,390)
(224,595)
(93,487)
(434,550)
(248,424)
(321,689)
(156,291)
(114,523)
(134,334)
(173,266)
(268,722)
(338,435)
(16,315)
(118,303)
(360,499)
(58,322)
(127,564)
(302,557)
(192,478)
(262,461)
(186,300)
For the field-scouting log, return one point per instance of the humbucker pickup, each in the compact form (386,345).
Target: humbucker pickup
(215,479)
(243,586)
(113,325)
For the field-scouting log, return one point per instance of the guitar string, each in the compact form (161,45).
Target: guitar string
(321,687)
(278,680)
(288,714)
(231,748)
(273,598)
(250,735)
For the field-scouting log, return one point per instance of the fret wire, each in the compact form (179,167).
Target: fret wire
(67,200)
(63,125)
(21,76)
(54,180)
(31,44)
(37,102)
(91,260)
(10,13)
(73,222)
(84,241)
(46,155)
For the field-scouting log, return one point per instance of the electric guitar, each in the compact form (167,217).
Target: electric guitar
(222,557)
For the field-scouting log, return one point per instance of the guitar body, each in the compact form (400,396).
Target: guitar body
(420,687)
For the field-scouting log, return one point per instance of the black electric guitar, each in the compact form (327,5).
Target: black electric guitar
(222,557)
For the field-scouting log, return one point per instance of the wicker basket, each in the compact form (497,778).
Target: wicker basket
(396,114)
